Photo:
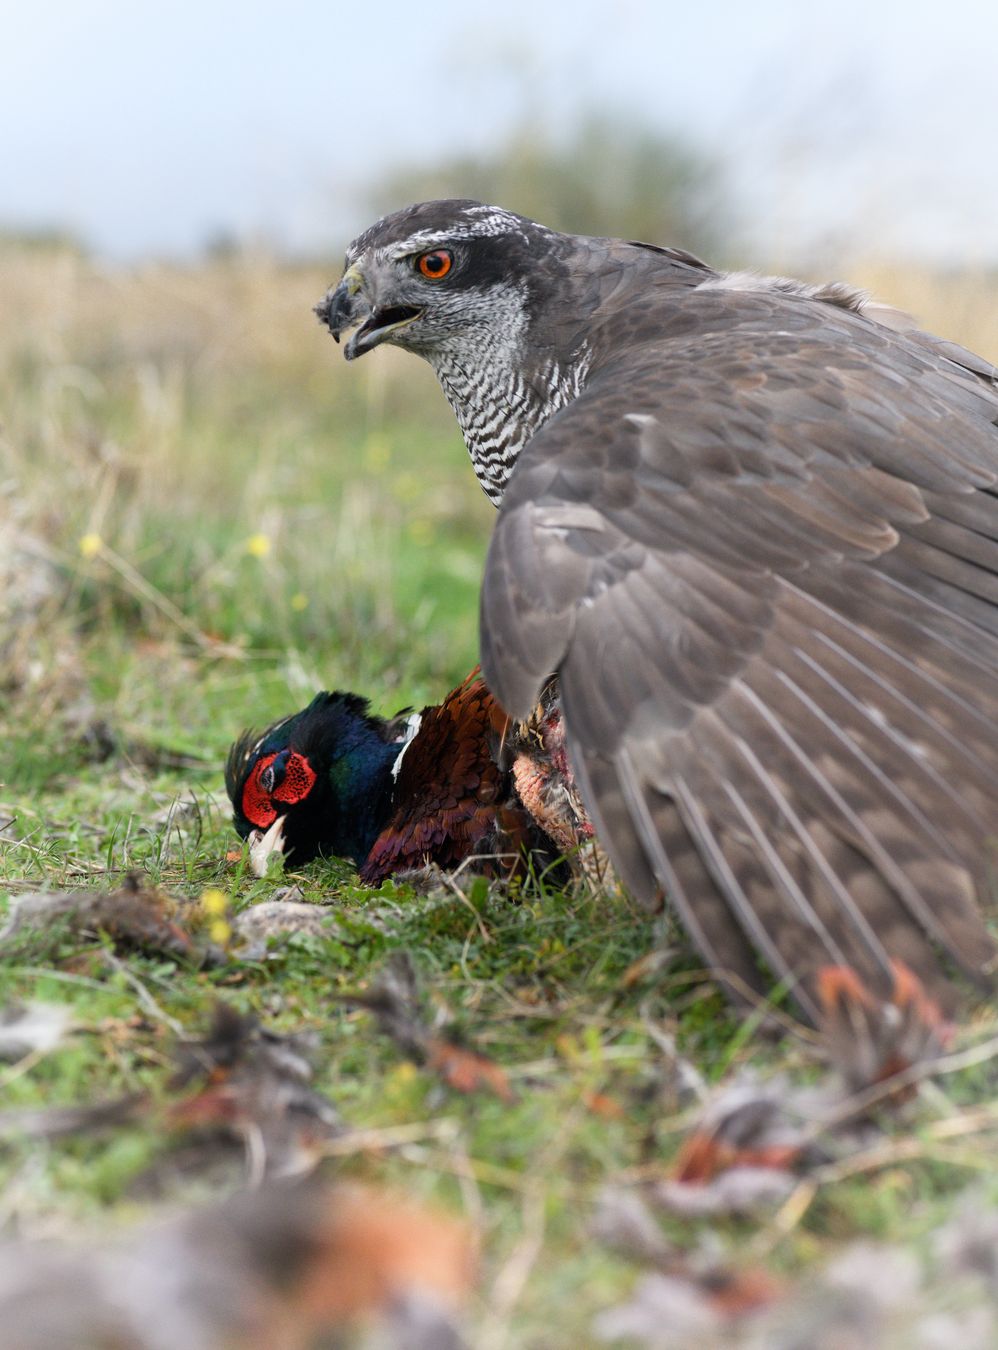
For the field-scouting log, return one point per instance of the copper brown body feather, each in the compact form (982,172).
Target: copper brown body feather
(453,798)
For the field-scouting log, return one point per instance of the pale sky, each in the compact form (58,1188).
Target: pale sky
(149,127)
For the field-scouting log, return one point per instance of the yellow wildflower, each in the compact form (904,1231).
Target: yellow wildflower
(258,545)
(214,901)
(219,931)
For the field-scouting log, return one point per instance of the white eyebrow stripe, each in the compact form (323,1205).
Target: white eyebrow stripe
(426,239)
(479,222)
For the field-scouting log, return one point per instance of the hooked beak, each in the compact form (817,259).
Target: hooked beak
(346,305)
(263,844)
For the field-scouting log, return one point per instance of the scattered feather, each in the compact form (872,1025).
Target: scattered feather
(284,1266)
(745,1150)
(737,1190)
(137,916)
(689,1310)
(866,1296)
(624,1222)
(254,1086)
(394,1000)
(258,925)
(466,1070)
(968,1243)
(27,1028)
(665,1312)
(753,1139)
(55,1122)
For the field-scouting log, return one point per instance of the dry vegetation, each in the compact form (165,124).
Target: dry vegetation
(204,517)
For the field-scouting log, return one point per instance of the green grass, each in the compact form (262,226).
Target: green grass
(270,524)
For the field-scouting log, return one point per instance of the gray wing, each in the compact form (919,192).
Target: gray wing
(765,563)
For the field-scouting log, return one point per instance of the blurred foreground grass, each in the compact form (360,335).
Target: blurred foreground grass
(205,517)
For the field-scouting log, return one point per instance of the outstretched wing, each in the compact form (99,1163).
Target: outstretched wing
(763,557)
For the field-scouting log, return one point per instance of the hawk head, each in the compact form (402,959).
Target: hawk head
(440,274)
(496,303)
(511,315)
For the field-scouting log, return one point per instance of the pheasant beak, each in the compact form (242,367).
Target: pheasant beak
(347,304)
(263,843)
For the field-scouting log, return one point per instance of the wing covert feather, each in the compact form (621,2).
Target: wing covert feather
(765,565)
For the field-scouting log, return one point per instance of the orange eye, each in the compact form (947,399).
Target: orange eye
(436,264)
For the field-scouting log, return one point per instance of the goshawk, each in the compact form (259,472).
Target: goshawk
(752,524)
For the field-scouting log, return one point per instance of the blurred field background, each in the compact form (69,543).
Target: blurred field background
(202,504)
(206,516)
(189,469)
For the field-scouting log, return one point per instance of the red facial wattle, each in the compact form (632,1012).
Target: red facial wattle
(290,780)
(257,806)
(298,780)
